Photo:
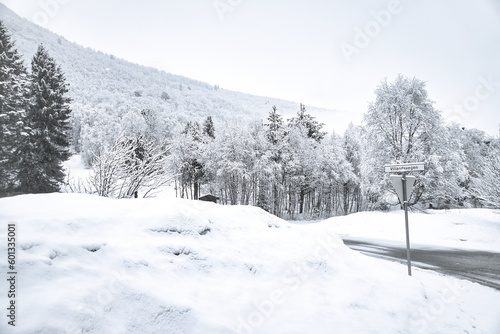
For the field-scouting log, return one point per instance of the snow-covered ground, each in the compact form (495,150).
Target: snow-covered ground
(471,229)
(95,265)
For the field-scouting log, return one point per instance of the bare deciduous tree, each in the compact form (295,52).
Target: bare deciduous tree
(129,166)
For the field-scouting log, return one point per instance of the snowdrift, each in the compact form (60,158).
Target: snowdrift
(94,265)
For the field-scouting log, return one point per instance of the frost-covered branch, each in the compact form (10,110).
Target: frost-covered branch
(130,166)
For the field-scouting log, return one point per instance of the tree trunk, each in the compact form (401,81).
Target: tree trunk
(301,201)
(196,190)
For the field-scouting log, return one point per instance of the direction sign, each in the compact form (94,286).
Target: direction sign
(398,184)
(404,186)
(405,168)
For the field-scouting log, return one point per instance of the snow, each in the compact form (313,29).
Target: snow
(74,168)
(88,264)
(471,229)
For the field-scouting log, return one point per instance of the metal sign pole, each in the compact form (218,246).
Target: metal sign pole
(405,205)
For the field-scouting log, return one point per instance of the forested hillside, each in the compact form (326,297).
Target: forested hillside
(110,93)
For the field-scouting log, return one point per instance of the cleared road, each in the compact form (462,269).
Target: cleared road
(476,266)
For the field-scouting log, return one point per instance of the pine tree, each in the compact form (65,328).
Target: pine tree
(13,83)
(275,129)
(48,117)
(193,130)
(275,135)
(308,122)
(208,127)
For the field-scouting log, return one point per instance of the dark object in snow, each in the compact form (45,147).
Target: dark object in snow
(209,198)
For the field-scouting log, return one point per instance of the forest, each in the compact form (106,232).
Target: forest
(295,170)
(289,167)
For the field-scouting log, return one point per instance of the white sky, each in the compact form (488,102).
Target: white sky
(292,49)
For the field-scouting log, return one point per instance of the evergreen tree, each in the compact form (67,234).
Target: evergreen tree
(208,127)
(275,129)
(193,130)
(275,135)
(48,114)
(308,122)
(13,83)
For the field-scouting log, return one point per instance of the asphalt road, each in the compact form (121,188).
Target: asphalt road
(476,266)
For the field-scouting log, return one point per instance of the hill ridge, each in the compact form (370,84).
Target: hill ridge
(28,35)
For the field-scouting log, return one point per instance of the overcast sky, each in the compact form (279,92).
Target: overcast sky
(324,53)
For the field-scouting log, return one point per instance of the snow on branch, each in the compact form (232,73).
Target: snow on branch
(131,165)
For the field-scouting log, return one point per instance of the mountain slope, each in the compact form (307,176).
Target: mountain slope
(101,83)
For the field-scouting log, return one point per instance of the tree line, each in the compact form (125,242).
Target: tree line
(294,169)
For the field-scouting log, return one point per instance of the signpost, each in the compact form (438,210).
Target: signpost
(404,186)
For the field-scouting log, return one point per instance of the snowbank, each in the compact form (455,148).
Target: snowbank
(94,265)
(474,229)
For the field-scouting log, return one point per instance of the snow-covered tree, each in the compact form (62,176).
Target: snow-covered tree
(208,127)
(482,159)
(402,126)
(187,150)
(131,167)
(107,168)
(99,131)
(305,120)
(275,133)
(47,145)
(352,196)
(442,184)
(13,101)
(299,162)
(486,189)
(275,129)
(157,127)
